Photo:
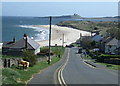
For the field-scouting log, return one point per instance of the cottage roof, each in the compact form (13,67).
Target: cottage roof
(97,37)
(31,44)
(114,41)
(106,39)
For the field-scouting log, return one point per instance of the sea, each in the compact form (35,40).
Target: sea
(17,26)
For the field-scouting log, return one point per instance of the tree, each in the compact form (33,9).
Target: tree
(86,42)
(95,28)
(93,43)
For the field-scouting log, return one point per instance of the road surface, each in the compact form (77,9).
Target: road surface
(75,71)
(48,75)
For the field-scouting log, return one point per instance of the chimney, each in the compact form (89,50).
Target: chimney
(14,40)
(25,38)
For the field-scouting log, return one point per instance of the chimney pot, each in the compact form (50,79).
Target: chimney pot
(25,37)
(14,40)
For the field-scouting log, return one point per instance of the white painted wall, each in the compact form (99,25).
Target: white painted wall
(37,50)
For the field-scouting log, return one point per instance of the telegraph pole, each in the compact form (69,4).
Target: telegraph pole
(63,40)
(49,59)
(80,38)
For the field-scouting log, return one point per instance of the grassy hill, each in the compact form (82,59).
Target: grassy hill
(103,27)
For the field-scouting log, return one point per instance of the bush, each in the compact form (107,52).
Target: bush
(29,56)
(109,56)
(58,50)
(44,50)
(102,57)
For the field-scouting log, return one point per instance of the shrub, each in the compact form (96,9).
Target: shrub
(29,56)
(44,50)
(103,56)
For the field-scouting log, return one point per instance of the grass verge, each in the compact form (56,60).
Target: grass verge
(13,76)
(107,65)
(110,66)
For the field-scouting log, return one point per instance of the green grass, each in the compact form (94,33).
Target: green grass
(75,45)
(90,25)
(110,66)
(107,65)
(89,57)
(21,76)
(10,76)
(0,76)
(25,75)
(58,50)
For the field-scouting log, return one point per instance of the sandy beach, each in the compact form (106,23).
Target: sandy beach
(70,35)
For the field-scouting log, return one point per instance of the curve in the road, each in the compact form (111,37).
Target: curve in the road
(61,68)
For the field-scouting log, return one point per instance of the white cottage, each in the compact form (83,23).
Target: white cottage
(111,46)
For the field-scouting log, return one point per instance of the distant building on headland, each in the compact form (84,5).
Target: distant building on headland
(17,47)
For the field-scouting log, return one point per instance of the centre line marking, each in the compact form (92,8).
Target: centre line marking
(60,74)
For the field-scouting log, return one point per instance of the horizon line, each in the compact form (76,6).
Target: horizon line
(58,16)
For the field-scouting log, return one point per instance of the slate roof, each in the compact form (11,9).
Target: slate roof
(114,41)
(31,44)
(106,39)
(97,38)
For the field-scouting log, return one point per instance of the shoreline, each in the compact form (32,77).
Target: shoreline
(71,35)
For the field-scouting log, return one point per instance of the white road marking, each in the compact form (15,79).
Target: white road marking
(88,64)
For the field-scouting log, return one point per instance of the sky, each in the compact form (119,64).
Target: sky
(40,9)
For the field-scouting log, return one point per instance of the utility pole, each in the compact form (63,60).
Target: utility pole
(63,40)
(80,38)
(79,44)
(49,59)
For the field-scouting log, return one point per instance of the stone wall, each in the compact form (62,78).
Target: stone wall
(9,62)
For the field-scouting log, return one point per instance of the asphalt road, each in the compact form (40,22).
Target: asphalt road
(48,75)
(77,72)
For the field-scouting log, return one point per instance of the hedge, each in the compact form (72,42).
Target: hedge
(104,56)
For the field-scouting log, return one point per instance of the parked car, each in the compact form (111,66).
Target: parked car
(71,46)
(80,50)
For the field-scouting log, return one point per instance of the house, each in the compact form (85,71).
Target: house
(17,47)
(96,37)
(117,51)
(103,41)
(109,45)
